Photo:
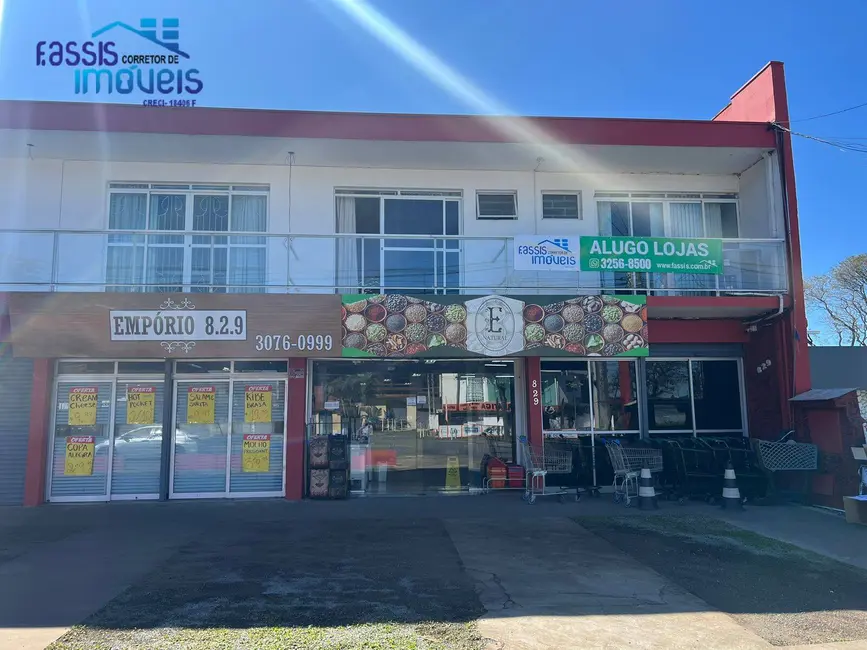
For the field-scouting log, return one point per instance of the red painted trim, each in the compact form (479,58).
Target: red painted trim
(296,428)
(533,366)
(697,331)
(763,303)
(68,116)
(37,442)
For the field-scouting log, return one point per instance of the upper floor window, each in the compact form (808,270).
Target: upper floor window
(646,214)
(497,205)
(174,257)
(668,215)
(561,205)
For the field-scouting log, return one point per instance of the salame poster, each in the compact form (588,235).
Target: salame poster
(397,325)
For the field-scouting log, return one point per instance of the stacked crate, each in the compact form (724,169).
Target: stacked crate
(328,463)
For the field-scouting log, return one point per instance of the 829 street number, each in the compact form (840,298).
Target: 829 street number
(301,342)
(633,263)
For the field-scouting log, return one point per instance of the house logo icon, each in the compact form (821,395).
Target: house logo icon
(562,244)
(168,37)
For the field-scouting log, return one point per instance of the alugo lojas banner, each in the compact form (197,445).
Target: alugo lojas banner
(651,255)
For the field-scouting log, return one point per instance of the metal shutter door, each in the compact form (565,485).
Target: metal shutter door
(16,380)
(200,449)
(271,481)
(135,467)
(81,486)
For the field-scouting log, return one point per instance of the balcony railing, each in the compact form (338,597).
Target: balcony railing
(230,262)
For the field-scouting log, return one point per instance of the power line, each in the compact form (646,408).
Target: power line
(857,147)
(816,117)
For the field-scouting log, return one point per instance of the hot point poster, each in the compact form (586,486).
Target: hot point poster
(140,404)
(83,402)
(201,403)
(396,325)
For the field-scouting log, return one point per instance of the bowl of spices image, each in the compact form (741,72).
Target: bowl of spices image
(576,348)
(375,333)
(395,302)
(554,307)
(573,313)
(612,313)
(534,333)
(355,322)
(436,340)
(533,313)
(591,304)
(553,322)
(416,332)
(574,332)
(594,343)
(395,323)
(376,349)
(456,333)
(593,323)
(612,332)
(415,313)
(375,312)
(355,340)
(435,322)
(395,343)
(356,307)
(456,313)
(632,323)
(612,349)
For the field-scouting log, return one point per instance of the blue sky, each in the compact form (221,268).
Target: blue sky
(629,58)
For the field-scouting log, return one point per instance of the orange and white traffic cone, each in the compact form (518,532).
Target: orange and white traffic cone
(646,492)
(731,495)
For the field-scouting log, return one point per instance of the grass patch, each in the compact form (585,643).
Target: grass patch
(383,636)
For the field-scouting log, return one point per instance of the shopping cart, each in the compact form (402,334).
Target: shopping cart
(627,463)
(538,465)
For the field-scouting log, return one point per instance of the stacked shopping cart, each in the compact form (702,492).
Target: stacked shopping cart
(627,463)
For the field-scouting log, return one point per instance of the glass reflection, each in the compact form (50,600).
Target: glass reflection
(408,421)
(668,402)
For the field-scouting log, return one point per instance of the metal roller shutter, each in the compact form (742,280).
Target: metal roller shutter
(16,380)
(94,485)
(135,468)
(200,449)
(272,480)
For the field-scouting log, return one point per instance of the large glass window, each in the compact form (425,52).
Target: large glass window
(580,396)
(692,216)
(698,396)
(187,261)
(373,264)
(410,421)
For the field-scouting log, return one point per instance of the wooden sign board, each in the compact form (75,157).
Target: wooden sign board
(180,326)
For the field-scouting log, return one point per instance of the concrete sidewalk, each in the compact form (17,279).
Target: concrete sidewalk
(544,580)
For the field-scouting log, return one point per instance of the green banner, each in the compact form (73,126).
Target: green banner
(652,255)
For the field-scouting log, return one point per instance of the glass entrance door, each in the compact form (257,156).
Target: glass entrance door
(229,438)
(258,437)
(200,448)
(81,461)
(138,440)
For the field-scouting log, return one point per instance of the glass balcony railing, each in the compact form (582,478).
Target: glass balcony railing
(225,262)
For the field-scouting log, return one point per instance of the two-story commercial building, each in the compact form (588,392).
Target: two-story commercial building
(189,295)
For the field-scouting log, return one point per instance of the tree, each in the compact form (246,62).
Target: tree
(839,298)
